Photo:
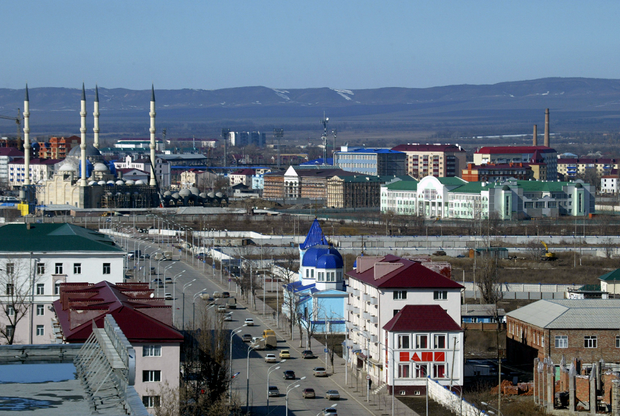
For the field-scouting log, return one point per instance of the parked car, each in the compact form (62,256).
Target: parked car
(307,354)
(145,256)
(168,296)
(319,372)
(308,394)
(249,322)
(246,337)
(330,411)
(285,354)
(225,294)
(168,279)
(289,375)
(332,395)
(273,391)
(270,358)
(221,308)
(228,317)
(217,294)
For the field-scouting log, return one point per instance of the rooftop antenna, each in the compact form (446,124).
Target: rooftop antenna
(278,134)
(324,122)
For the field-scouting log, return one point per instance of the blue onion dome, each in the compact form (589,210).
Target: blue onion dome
(329,261)
(312,255)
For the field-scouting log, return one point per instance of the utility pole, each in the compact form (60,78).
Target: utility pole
(324,122)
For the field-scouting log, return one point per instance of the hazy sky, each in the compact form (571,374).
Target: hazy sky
(298,44)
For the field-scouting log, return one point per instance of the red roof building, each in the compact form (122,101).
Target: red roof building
(146,321)
(543,160)
(379,288)
(422,341)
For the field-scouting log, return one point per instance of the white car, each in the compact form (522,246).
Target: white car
(249,322)
(270,358)
(228,317)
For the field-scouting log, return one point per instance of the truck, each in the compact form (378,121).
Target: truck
(270,338)
(231,303)
(258,343)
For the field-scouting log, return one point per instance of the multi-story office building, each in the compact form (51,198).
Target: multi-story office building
(58,147)
(377,162)
(7,155)
(493,172)
(440,160)
(533,155)
(574,167)
(40,170)
(357,191)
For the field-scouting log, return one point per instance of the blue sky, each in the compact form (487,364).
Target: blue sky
(302,44)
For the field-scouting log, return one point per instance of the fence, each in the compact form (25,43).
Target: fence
(450,400)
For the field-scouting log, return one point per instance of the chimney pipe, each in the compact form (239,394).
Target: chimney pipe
(535,135)
(547,127)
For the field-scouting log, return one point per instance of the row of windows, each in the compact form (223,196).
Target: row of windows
(58,268)
(40,289)
(421,370)
(422,341)
(589,341)
(10,330)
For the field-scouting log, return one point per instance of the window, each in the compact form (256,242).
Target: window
(440,295)
(151,375)
(396,311)
(439,342)
(617,341)
(58,268)
(10,331)
(10,289)
(40,310)
(40,330)
(150,401)
(40,268)
(403,342)
(421,341)
(77,268)
(106,268)
(57,288)
(10,268)
(561,341)
(400,294)
(589,341)
(421,370)
(403,371)
(10,310)
(40,289)
(439,370)
(151,351)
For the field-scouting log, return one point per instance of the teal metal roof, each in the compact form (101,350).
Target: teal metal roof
(538,186)
(611,276)
(53,238)
(452,181)
(472,188)
(408,185)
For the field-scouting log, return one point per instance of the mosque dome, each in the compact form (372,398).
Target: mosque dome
(101,183)
(119,182)
(67,167)
(312,255)
(101,167)
(110,182)
(211,194)
(139,182)
(129,182)
(194,190)
(167,193)
(329,261)
(184,192)
(90,151)
(91,183)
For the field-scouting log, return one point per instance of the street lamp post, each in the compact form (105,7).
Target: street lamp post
(247,382)
(289,389)
(269,371)
(174,280)
(491,407)
(174,297)
(393,375)
(232,334)
(166,269)
(185,286)
(194,307)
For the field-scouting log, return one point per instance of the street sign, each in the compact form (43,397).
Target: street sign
(367,377)
(325,350)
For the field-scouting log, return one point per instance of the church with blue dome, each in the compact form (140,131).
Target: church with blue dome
(320,290)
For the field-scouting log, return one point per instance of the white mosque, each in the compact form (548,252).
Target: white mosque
(85,179)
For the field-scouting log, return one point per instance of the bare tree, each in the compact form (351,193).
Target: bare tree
(488,281)
(17,280)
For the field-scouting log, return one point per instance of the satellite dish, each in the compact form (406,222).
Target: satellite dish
(152,295)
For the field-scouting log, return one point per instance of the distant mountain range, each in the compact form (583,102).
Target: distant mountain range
(575,103)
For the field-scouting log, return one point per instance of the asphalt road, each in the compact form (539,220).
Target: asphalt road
(195,281)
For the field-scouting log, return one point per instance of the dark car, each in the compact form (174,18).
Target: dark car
(289,375)
(308,394)
(225,294)
(307,354)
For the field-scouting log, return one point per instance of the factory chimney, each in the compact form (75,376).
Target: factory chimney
(547,128)
(535,136)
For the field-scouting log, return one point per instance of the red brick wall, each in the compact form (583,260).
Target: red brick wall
(582,389)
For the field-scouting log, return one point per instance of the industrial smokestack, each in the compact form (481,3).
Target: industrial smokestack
(535,136)
(547,127)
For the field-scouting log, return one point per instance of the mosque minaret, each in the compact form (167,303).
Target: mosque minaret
(96,117)
(83,136)
(26,138)
(153,182)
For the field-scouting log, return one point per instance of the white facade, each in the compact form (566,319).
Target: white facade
(162,168)
(39,172)
(157,366)
(609,184)
(370,307)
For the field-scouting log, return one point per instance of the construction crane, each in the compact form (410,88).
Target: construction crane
(17,120)
(549,256)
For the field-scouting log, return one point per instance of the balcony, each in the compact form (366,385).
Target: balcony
(355,292)
(366,316)
(374,338)
(373,300)
(374,319)
(352,326)
(355,310)
(366,297)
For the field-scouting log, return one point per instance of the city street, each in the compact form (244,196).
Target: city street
(191,281)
